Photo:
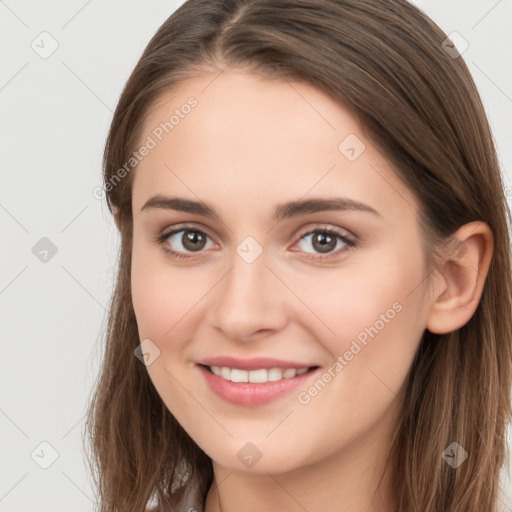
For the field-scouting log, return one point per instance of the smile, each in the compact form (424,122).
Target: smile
(256,376)
(254,387)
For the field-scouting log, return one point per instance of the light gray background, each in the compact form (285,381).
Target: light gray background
(55,113)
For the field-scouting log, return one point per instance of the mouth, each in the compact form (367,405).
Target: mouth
(255,387)
(257,376)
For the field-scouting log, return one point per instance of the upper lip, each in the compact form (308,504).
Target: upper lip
(253,364)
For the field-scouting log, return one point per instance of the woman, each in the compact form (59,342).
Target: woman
(312,309)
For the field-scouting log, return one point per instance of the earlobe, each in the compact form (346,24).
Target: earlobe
(460,277)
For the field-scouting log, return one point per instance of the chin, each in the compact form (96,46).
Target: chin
(247,457)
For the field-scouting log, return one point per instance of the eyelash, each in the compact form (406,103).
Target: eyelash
(163,237)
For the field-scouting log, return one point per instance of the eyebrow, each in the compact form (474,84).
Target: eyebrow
(283,211)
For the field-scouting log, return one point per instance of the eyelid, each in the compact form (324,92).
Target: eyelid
(318,226)
(185,226)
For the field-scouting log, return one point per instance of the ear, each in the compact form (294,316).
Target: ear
(460,277)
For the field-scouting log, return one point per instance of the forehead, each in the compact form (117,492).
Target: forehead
(235,136)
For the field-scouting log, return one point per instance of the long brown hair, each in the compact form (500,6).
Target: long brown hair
(385,60)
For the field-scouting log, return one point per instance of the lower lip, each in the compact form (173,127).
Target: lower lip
(251,393)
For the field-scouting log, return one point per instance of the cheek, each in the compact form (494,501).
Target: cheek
(348,303)
(377,326)
(377,344)
(147,296)
(157,308)
(163,302)
(370,319)
(161,296)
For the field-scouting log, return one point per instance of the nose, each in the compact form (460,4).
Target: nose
(250,301)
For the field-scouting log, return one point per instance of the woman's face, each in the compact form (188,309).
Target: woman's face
(262,288)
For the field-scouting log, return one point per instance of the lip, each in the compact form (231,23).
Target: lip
(252,394)
(254,364)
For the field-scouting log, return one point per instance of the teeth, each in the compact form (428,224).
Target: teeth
(217,370)
(256,376)
(239,375)
(275,374)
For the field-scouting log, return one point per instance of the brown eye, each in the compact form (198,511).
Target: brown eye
(193,240)
(185,241)
(325,241)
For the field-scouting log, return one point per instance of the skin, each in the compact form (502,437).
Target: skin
(249,145)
